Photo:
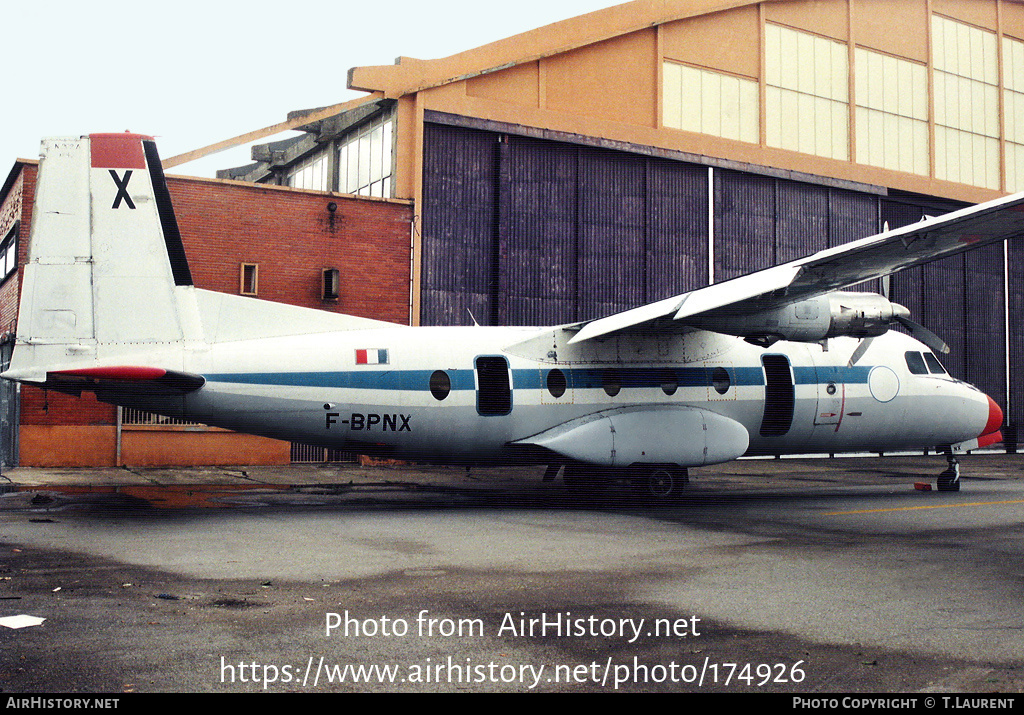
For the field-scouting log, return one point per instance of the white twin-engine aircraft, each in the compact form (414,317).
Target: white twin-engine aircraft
(778,361)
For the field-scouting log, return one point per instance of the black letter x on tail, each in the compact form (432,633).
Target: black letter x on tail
(122,188)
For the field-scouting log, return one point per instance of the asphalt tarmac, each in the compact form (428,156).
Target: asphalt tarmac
(802,576)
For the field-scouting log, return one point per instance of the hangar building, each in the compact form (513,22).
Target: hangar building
(640,151)
(657,146)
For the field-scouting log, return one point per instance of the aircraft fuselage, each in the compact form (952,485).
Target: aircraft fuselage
(478,394)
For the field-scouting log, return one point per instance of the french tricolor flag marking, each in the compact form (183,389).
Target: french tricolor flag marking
(372,356)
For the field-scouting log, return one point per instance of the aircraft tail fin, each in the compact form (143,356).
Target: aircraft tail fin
(91,296)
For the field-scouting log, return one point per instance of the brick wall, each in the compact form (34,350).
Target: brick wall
(16,206)
(292,236)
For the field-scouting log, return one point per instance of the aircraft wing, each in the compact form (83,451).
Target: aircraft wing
(826,271)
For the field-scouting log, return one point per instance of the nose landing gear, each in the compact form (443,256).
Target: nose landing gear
(949,480)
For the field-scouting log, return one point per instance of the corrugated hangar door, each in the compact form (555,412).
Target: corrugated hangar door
(761,221)
(460,201)
(961,298)
(549,232)
(1015,416)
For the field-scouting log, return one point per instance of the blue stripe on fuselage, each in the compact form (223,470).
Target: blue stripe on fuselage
(577,378)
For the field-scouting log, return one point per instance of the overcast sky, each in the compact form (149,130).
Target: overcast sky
(194,72)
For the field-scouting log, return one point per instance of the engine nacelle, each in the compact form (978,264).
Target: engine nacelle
(843,313)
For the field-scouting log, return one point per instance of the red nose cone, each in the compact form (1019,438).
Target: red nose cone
(995,418)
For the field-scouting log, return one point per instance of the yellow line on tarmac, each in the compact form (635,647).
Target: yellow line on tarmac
(913,508)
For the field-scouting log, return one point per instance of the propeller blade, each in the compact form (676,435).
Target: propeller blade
(862,348)
(923,334)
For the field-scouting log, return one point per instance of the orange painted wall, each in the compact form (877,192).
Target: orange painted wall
(67,445)
(612,80)
(737,49)
(152,448)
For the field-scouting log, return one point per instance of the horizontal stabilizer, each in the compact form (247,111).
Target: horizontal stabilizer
(152,380)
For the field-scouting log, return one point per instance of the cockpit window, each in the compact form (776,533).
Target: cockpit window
(919,364)
(934,366)
(915,363)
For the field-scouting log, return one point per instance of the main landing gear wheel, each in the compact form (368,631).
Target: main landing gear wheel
(949,480)
(662,483)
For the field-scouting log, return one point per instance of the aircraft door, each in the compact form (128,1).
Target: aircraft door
(779,396)
(831,397)
(493,386)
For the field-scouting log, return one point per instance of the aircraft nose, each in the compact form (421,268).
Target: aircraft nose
(990,434)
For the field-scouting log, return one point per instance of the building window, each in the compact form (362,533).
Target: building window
(330,284)
(966,79)
(311,173)
(9,253)
(249,279)
(1013,106)
(806,93)
(700,100)
(365,159)
(891,97)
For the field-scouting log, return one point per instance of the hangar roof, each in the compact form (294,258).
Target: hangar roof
(410,75)
(918,96)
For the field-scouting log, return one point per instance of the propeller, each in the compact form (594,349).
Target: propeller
(919,332)
(902,316)
(862,347)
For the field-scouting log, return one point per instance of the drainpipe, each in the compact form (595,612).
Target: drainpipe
(117,462)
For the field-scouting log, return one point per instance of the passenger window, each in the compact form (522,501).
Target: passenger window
(440,384)
(934,366)
(915,363)
(557,383)
(720,380)
(611,381)
(669,381)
